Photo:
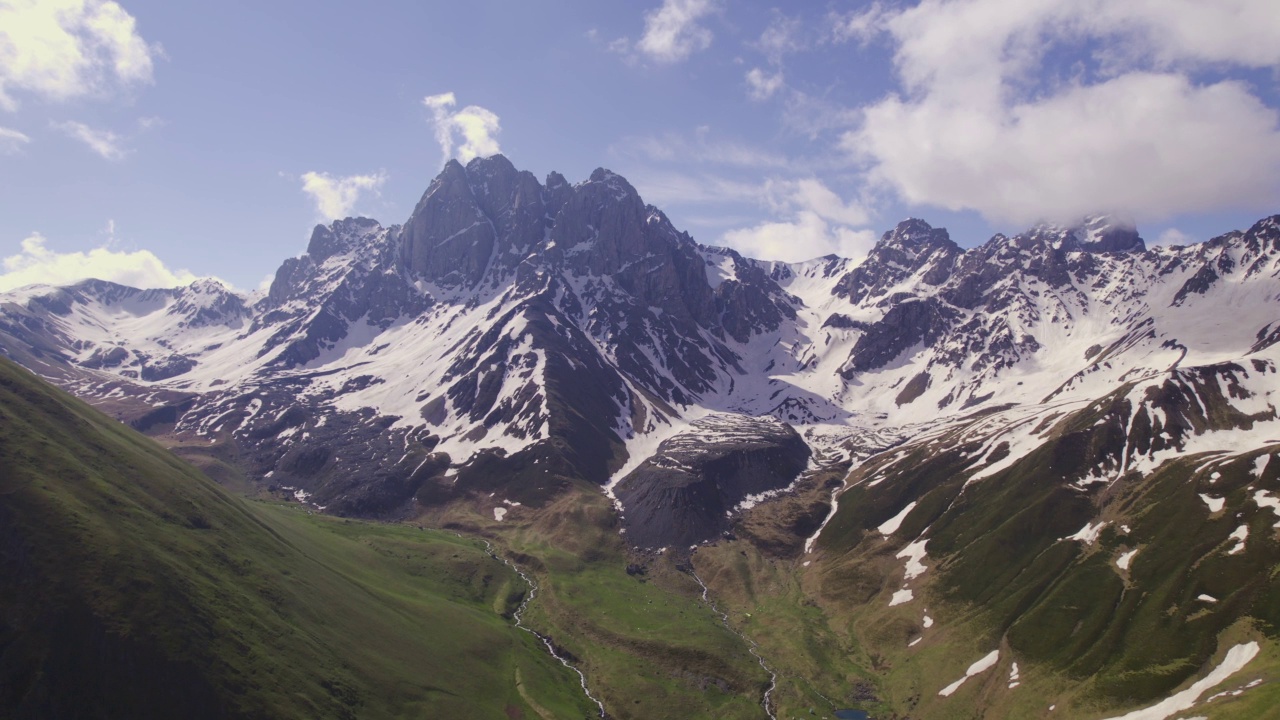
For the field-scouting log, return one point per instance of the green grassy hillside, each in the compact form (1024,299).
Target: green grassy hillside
(133,586)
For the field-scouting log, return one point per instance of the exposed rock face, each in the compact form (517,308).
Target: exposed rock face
(747,297)
(348,278)
(687,492)
(448,239)
(912,323)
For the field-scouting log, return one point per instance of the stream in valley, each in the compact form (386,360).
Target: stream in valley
(546,641)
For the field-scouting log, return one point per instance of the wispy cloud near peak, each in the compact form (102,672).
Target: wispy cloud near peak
(335,197)
(477,127)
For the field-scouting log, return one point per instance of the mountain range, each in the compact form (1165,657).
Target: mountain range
(1063,437)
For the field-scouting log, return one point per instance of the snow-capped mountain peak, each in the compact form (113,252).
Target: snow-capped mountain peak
(543,332)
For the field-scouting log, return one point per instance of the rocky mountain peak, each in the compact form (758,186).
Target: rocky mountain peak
(557,190)
(482,218)
(495,182)
(448,239)
(913,244)
(609,177)
(496,167)
(1094,234)
(206,286)
(1109,233)
(340,237)
(207,302)
(451,179)
(914,236)
(600,226)
(913,247)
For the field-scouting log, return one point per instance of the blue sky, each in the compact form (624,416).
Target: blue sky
(151,142)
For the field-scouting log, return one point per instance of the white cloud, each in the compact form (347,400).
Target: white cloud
(11,141)
(812,195)
(1174,32)
(861,25)
(1173,236)
(780,38)
(807,236)
(814,116)
(103,142)
(477,126)
(622,46)
(986,122)
(762,86)
(36,263)
(816,222)
(63,49)
(808,218)
(336,196)
(672,32)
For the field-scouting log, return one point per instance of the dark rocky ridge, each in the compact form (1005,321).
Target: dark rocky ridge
(686,492)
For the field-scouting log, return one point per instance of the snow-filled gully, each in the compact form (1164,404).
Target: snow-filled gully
(767,701)
(546,641)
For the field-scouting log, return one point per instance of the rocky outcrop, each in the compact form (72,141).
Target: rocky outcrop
(907,325)
(687,492)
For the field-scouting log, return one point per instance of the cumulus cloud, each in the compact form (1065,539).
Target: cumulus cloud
(103,142)
(761,85)
(1173,236)
(816,222)
(11,141)
(812,195)
(987,120)
(336,196)
(476,126)
(64,49)
(36,263)
(805,237)
(672,32)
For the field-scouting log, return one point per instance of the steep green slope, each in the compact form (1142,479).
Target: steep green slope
(1112,565)
(133,586)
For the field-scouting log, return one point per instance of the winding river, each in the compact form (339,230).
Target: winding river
(767,702)
(546,641)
